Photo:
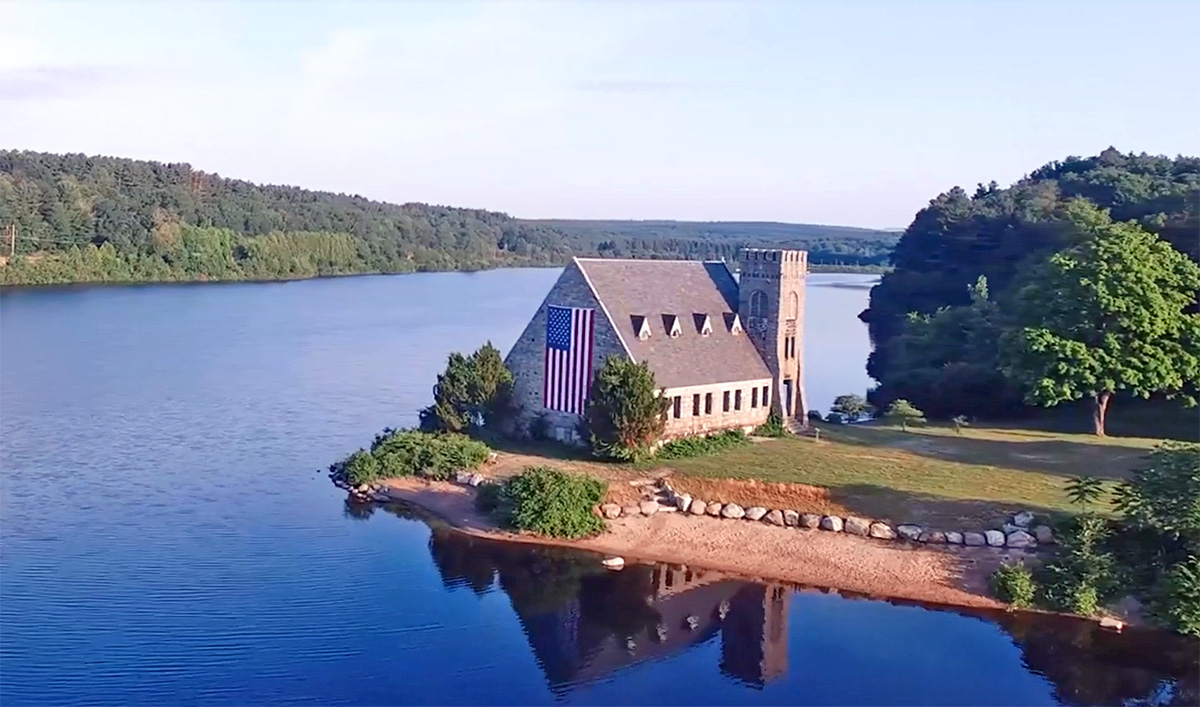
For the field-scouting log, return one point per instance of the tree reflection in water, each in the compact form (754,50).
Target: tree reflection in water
(584,622)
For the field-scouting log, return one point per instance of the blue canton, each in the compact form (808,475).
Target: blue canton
(558,328)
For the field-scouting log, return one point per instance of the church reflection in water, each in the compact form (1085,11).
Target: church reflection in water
(585,623)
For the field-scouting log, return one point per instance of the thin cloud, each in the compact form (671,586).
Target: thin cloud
(634,86)
(42,82)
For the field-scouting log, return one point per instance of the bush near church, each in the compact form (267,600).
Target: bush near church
(546,501)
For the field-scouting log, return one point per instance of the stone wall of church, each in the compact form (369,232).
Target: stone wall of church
(527,360)
(700,414)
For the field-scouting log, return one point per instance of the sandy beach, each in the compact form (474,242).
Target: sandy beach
(941,575)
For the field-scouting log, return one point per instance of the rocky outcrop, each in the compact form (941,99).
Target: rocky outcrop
(832,523)
(994,538)
(857,526)
(476,479)
(883,531)
(610,510)
(774,518)
(810,520)
(648,508)
(791,518)
(733,511)
(908,531)
(714,509)
(954,537)
(683,501)
(974,539)
(755,513)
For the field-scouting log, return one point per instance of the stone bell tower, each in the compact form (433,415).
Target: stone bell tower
(771,307)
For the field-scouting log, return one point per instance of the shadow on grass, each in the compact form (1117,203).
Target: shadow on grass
(1050,456)
(935,512)
(537,448)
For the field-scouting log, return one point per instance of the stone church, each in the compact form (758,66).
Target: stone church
(726,353)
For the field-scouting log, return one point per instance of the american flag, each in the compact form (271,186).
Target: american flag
(570,335)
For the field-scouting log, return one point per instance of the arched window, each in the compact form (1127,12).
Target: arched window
(793,306)
(758,303)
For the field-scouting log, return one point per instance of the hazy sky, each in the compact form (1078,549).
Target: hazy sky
(852,113)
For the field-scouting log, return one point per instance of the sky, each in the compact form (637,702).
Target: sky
(850,113)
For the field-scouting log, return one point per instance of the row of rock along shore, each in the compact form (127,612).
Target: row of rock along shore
(659,497)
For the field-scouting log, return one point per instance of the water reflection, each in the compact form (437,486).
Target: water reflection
(585,623)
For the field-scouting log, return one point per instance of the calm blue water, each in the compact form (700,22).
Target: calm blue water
(167,536)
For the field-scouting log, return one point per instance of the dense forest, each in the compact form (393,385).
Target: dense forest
(105,219)
(938,318)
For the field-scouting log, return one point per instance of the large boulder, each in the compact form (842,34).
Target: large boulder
(883,531)
(974,539)
(1023,519)
(1020,538)
(755,513)
(648,508)
(909,531)
(791,518)
(994,538)
(698,507)
(857,526)
(683,501)
(810,520)
(611,510)
(1044,535)
(476,479)
(774,518)
(832,523)
(954,537)
(1007,528)
(733,510)
(462,477)
(714,509)
(935,537)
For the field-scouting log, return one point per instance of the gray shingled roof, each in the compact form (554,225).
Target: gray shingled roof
(657,289)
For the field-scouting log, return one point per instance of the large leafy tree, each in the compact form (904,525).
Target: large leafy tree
(626,413)
(1109,313)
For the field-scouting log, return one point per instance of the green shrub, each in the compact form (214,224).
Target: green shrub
(1178,607)
(1014,584)
(397,453)
(773,427)
(489,497)
(1082,575)
(554,503)
(700,446)
(626,413)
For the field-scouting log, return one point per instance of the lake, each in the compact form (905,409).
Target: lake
(168,535)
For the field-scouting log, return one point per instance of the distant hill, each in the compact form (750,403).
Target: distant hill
(827,245)
(109,219)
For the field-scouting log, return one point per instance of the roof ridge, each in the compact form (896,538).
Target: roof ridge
(644,260)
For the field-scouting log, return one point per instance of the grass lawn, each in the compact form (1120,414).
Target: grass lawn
(928,475)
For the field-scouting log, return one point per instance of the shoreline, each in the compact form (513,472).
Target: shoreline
(941,575)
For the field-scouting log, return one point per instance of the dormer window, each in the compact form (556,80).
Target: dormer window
(735,323)
(705,324)
(671,326)
(641,327)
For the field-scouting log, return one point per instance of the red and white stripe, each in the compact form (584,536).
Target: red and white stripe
(569,373)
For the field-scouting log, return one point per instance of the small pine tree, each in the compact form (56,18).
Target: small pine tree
(625,414)
(905,412)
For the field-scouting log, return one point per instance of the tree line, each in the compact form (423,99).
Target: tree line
(107,219)
(1077,282)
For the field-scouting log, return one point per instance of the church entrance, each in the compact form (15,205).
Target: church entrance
(787,397)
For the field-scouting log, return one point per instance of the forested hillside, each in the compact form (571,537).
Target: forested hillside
(840,245)
(106,219)
(937,327)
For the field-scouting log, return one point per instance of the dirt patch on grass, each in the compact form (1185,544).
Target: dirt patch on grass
(752,492)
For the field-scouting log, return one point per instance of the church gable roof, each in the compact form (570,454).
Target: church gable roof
(666,295)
